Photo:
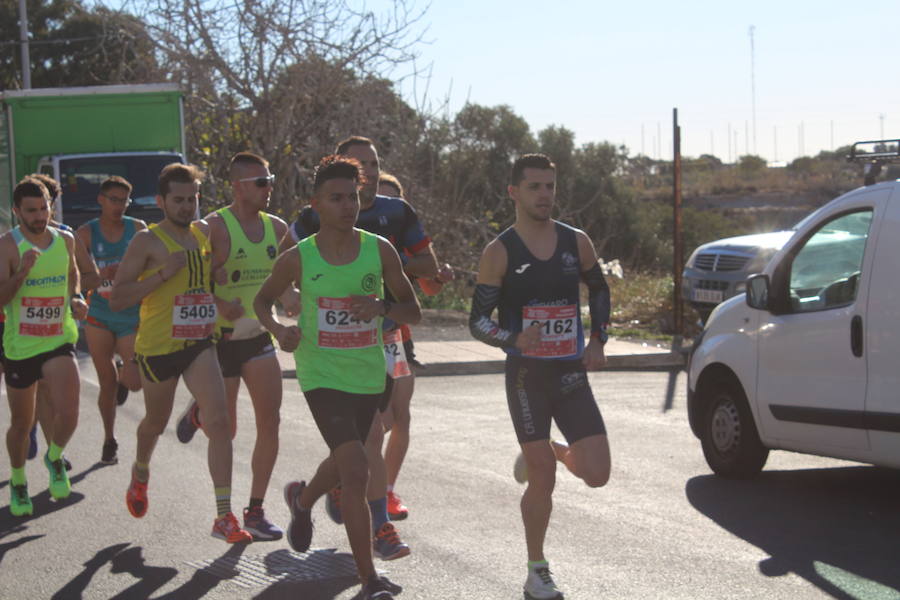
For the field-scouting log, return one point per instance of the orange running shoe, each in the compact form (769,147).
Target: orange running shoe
(396,510)
(136,498)
(227,528)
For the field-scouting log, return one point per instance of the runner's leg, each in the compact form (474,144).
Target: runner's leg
(130,375)
(350,462)
(21,418)
(101,344)
(537,501)
(263,379)
(63,388)
(398,442)
(588,459)
(158,400)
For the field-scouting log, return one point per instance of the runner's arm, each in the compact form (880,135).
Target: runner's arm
(405,308)
(127,290)
(12,270)
(87,268)
(285,272)
(487,297)
(598,289)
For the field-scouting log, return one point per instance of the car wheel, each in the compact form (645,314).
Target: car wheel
(730,440)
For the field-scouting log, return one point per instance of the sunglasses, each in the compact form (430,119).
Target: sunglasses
(260,182)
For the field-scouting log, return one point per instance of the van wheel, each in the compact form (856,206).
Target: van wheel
(730,440)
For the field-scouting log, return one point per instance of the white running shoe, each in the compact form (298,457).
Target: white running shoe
(540,585)
(520,469)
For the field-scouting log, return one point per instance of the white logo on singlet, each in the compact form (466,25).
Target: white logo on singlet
(521,269)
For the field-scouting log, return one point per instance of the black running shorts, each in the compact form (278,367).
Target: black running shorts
(234,353)
(161,367)
(341,416)
(22,374)
(540,390)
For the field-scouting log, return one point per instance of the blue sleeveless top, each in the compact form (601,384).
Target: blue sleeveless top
(107,253)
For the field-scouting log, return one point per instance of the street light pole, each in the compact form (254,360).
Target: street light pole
(23,38)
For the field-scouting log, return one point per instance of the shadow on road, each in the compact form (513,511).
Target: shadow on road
(319,574)
(837,528)
(42,504)
(206,579)
(669,400)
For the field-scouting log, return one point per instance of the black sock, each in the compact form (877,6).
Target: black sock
(256,502)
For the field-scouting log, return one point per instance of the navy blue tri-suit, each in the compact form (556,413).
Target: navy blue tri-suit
(551,381)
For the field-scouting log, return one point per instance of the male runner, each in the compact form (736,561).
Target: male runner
(396,221)
(167,268)
(532,271)
(244,240)
(38,282)
(340,272)
(398,418)
(108,332)
(88,279)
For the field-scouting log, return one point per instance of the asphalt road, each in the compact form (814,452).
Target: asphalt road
(664,527)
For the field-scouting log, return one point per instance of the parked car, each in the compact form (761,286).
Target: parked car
(806,359)
(718,270)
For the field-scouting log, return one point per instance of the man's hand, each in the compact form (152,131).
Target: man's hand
(288,338)
(594,356)
(220,276)
(175,262)
(109,271)
(232,311)
(27,261)
(290,302)
(529,339)
(445,274)
(79,309)
(365,308)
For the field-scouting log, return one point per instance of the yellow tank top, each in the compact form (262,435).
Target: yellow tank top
(182,311)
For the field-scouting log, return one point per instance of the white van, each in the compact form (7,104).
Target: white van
(808,359)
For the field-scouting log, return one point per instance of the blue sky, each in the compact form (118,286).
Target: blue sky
(607,69)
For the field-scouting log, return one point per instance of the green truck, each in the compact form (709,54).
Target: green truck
(81,136)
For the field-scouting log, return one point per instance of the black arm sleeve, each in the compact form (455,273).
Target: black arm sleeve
(485,300)
(598,301)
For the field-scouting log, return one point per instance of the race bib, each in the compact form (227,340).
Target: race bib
(338,329)
(193,316)
(395,354)
(105,289)
(41,317)
(559,331)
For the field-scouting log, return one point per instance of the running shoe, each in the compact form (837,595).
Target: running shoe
(540,586)
(188,423)
(19,501)
(376,589)
(333,505)
(108,455)
(520,469)
(32,442)
(259,526)
(121,394)
(59,479)
(299,533)
(387,544)
(136,498)
(396,510)
(227,528)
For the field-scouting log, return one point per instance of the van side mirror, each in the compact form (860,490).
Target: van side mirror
(758,292)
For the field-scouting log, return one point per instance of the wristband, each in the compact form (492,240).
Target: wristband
(78,295)
(386,304)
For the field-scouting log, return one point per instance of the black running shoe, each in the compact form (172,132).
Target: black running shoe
(299,533)
(108,456)
(121,394)
(376,589)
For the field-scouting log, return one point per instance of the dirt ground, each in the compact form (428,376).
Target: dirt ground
(442,325)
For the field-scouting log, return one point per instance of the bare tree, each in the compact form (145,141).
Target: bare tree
(284,78)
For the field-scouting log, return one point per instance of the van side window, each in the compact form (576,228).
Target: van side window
(825,272)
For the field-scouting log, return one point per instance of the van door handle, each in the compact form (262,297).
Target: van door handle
(856,336)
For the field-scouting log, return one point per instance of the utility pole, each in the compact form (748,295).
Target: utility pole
(23,38)
(642,140)
(881,123)
(775,141)
(677,237)
(753,83)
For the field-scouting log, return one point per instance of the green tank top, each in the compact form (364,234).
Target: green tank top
(336,351)
(38,318)
(248,265)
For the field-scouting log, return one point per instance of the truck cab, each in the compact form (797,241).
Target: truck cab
(80,176)
(806,359)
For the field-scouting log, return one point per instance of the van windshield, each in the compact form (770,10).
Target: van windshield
(81,178)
